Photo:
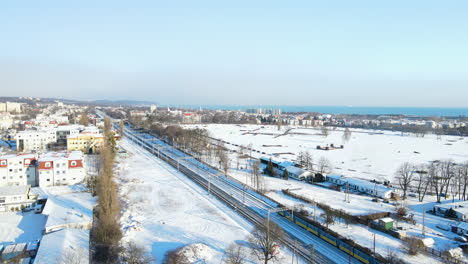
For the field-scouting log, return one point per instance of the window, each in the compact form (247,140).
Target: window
(48,179)
(58,172)
(73,163)
(47,164)
(58,165)
(3,162)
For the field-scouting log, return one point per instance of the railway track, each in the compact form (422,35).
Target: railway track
(252,206)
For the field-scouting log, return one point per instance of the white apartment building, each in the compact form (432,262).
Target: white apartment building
(61,168)
(10,107)
(34,140)
(18,169)
(13,198)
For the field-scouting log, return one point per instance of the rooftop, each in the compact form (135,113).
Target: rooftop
(14,190)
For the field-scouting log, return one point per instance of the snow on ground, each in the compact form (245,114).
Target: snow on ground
(64,246)
(358,205)
(18,227)
(164,210)
(370,154)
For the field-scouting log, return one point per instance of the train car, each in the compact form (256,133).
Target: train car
(329,238)
(345,247)
(365,258)
(342,245)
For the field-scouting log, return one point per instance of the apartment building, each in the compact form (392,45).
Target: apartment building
(18,169)
(35,140)
(61,168)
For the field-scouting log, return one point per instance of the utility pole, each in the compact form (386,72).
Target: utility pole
(424,222)
(374,243)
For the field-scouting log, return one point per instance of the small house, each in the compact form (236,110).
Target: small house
(298,173)
(385,223)
(459,209)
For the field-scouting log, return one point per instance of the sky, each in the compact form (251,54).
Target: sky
(359,53)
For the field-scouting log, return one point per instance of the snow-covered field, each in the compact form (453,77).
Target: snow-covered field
(369,154)
(164,210)
(358,205)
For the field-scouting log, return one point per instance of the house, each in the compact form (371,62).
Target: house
(190,118)
(18,169)
(61,168)
(385,223)
(294,171)
(298,173)
(14,198)
(460,228)
(359,185)
(460,210)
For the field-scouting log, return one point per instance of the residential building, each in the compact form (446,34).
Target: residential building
(14,198)
(35,140)
(189,118)
(10,107)
(460,209)
(18,169)
(363,186)
(61,168)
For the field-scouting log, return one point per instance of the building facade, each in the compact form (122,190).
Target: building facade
(16,170)
(35,140)
(61,168)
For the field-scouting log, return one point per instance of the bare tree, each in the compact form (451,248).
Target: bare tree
(463,170)
(306,160)
(447,174)
(434,172)
(84,120)
(134,254)
(404,175)
(265,240)
(346,135)
(324,166)
(234,254)
(324,130)
(74,256)
(422,181)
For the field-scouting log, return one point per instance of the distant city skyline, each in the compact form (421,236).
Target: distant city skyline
(359,53)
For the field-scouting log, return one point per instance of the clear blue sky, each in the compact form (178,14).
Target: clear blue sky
(362,53)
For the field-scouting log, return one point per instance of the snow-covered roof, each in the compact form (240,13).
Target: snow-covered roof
(24,156)
(386,220)
(462,225)
(461,207)
(367,184)
(71,208)
(51,156)
(286,163)
(58,245)
(14,190)
(296,170)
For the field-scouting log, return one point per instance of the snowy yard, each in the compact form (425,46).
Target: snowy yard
(370,154)
(18,227)
(164,210)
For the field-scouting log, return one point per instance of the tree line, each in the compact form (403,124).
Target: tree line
(440,177)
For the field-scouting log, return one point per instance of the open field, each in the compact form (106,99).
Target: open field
(369,154)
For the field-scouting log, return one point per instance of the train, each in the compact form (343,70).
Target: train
(337,242)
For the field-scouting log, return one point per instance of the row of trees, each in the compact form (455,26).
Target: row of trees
(106,232)
(437,177)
